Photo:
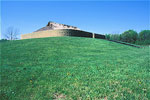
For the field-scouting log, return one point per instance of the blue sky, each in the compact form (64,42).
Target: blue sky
(94,16)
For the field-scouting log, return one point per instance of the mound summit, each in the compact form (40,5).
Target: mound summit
(54,26)
(53,29)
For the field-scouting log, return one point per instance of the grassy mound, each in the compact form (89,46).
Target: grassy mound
(73,68)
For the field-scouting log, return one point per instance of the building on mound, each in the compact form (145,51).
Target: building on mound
(57,30)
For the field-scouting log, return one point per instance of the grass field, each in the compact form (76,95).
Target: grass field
(73,68)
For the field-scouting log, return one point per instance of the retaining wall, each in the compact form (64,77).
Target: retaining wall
(59,33)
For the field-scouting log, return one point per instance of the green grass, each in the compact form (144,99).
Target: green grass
(73,68)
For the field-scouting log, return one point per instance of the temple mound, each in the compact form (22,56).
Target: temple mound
(53,29)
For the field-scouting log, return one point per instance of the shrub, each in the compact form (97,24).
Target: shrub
(3,40)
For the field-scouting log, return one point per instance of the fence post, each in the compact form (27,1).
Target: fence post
(93,35)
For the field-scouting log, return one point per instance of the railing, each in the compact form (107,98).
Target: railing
(125,43)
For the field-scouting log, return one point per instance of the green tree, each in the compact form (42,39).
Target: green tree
(115,37)
(144,35)
(107,36)
(129,36)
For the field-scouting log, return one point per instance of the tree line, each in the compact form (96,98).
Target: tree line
(131,36)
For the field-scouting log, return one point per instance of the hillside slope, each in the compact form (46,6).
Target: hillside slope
(73,68)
